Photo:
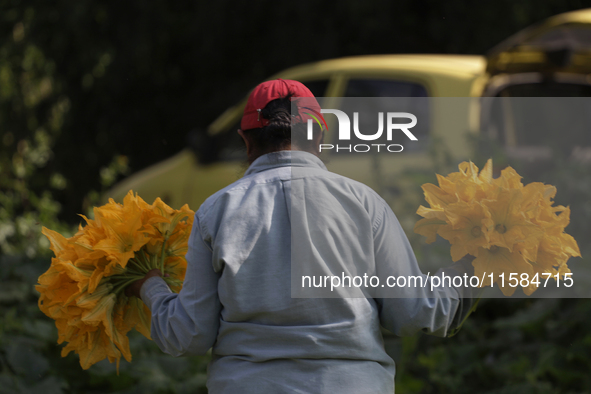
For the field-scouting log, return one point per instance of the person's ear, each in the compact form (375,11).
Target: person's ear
(246,141)
(318,139)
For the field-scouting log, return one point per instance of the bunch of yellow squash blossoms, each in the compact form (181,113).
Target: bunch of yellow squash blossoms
(506,226)
(83,289)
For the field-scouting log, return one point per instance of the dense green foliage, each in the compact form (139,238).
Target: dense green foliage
(507,346)
(91,90)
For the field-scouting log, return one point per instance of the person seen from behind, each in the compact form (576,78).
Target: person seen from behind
(236,298)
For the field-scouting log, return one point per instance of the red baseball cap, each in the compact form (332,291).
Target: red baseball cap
(275,89)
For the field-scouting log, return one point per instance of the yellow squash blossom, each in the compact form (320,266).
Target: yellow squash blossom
(83,288)
(498,260)
(508,227)
(465,228)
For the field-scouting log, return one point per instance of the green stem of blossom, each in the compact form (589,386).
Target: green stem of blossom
(144,260)
(122,284)
(162,253)
(135,269)
(127,276)
(472,309)
(139,266)
(135,265)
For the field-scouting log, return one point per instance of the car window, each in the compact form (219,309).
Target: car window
(539,121)
(318,88)
(546,89)
(410,97)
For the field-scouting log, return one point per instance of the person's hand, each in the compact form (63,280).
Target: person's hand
(134,288)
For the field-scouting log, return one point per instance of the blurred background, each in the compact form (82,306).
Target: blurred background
(93,91)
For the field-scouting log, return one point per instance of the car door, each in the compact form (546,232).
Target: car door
(537,102)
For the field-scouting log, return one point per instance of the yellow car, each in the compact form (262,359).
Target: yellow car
(544,60)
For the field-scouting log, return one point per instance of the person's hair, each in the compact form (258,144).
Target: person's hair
(277,135)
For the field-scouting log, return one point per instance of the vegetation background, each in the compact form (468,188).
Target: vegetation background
(94,90)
